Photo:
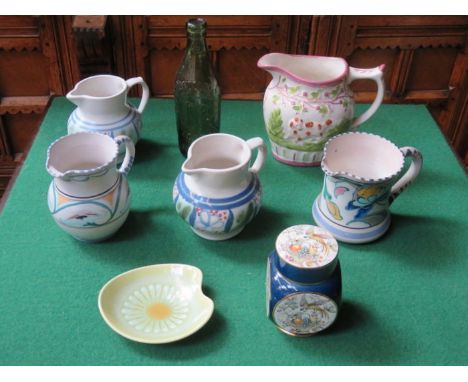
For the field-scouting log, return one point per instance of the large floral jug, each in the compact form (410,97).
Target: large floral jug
(309,101)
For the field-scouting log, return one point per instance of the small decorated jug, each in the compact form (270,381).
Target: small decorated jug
(102,107)
(89,196)
(218,192)
(303,283)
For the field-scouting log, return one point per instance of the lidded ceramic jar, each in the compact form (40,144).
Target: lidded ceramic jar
(303,284)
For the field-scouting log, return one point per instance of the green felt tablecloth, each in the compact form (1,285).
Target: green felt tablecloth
(405,296)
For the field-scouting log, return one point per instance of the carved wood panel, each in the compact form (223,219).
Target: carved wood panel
(425,59)
(236,43)
(36,62)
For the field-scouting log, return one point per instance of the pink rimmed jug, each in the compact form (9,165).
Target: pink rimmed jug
(309,101)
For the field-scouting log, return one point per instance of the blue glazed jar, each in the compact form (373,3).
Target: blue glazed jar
(303,281)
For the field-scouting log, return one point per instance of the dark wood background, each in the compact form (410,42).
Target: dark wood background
(43,56)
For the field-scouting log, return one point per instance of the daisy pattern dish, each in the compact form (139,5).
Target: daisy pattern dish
(156,304)
(156,308)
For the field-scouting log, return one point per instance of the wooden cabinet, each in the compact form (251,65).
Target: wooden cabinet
(425,57)
(36,62)
(153,47)
(43,56)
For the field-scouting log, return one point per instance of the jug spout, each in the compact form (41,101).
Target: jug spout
(270,62)
(66,176)
(74,97)
(189,167)
(216,164)
(83,164)
(76,94)
(197,173)
(306,70)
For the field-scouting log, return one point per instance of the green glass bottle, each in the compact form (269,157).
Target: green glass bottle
(197,94)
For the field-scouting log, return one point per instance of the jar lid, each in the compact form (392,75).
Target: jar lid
(306,246)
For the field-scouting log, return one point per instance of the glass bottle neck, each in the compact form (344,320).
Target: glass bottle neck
(196,42)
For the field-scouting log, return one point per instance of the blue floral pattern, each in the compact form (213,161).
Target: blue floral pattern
(217,216)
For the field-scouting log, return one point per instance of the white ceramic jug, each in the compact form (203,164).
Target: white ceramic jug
(102,107)
(217,193)
(309,101)
(89,196)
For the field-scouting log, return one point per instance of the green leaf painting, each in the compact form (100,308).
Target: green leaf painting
(294,89)
(185,212)
(275,131)
(323,109)
(245,216)
(275,124)
(314,94)
(335,91)
(297,108)
(325,192)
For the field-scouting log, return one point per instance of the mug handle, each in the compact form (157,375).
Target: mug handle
(129,153)
(375,74)
(257,143)
(410,174)
(145,96)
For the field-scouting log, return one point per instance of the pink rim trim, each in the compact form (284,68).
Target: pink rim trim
(301,80)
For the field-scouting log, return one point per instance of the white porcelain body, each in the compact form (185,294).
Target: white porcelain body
(309,101)
(89,198)
(102,107)
(360,183)
(217,193)
(156,304)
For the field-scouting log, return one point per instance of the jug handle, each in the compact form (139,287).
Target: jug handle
(129,153)
(375,74)
(257,143)
(410,174)
(145,96)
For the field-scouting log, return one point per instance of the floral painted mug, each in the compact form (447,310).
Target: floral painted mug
(362,178)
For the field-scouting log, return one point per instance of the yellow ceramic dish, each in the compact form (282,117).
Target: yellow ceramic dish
(156,304)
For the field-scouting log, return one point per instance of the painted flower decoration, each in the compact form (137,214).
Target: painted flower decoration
(212,220)
(155,308)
